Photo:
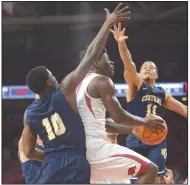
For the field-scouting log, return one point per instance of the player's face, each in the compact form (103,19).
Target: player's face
(106,66)
(52,80)
(148,71)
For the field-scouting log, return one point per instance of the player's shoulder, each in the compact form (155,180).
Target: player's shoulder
(161,89)
(104,84)
(103,81)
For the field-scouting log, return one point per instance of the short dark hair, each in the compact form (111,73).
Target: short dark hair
(37,78)
(83,52)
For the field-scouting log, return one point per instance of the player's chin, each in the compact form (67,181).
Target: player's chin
(111,74)
(146,77)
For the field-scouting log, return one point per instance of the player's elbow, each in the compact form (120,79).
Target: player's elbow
(28,152)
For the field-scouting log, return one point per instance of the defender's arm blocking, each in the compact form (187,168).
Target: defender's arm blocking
(94,50)
(130,73)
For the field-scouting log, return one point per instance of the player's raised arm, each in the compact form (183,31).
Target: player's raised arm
(118,114)
(29,138)
(94,50)
(172,104)
(130,73)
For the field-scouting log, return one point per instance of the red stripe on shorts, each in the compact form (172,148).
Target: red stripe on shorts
(144,164)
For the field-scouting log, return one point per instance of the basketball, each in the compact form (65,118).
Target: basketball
(150,136)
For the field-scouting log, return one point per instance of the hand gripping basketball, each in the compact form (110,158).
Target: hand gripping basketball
(151,136)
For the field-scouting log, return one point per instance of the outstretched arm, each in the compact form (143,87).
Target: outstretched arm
(174,105)
(130,73)
(106,89)
(29,138)
(94,50)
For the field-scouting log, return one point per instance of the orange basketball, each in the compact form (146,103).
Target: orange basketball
(151,136)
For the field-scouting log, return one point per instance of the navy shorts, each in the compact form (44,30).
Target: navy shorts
(31,170)
(64,168)
(157,154)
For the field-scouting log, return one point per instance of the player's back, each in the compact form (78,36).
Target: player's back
(148,100)
(57,124)
(62,132)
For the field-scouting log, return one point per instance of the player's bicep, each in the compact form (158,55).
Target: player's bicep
(68,84)
(107,94)
(29,138)
(130,74)
(174,105)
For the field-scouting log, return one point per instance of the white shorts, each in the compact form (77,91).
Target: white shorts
(112,163)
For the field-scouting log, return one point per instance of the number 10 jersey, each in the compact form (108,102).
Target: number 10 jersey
(57,124)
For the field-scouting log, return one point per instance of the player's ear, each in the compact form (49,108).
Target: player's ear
(49,83)
(97,65)
(156,75)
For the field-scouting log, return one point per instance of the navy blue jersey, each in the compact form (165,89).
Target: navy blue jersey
(57,124)
(31,169)
(147,101)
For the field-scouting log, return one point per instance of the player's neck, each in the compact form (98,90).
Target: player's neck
(47,91)
(150,83)
(94,71)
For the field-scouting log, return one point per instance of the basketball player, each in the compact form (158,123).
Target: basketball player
(30,168)
(53,118)
(110,163)
(145,98)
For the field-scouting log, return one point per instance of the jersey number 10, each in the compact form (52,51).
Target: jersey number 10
(58,126)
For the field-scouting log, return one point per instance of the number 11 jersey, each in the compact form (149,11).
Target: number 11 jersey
(148,100)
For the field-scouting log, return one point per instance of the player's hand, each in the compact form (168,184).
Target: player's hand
(119,34)
(169,177)
(154,122)
(117,15)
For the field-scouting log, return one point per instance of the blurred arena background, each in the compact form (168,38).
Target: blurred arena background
(53,33)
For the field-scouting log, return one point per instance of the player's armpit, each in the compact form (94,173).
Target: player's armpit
(174,105)
(29,138)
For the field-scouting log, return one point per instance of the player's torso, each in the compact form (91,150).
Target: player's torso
(91,110)
(148,100)
(57,124)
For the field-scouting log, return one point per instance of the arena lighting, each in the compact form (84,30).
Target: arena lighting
(22,91)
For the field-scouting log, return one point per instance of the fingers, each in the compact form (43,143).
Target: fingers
(124,18)
(112,31)
(125,38)
(107,11)
(119,27)
(123,31)
(124,14)
(122,10)
(118,7)
(160,126)
(115,27)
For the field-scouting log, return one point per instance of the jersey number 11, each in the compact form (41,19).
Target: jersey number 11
(151,109)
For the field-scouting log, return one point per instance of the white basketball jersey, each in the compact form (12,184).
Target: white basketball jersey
(91,110)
